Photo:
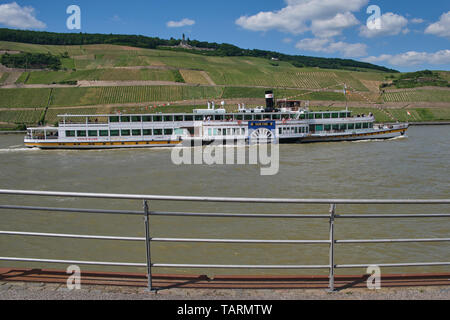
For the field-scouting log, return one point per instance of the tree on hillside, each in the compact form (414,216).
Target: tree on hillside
(49,38)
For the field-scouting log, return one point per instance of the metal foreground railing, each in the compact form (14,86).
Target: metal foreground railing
(148,239)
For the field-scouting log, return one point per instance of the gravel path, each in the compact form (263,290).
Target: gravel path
(49,291)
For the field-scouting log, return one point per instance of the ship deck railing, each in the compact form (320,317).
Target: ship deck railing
(150,261)
(41,137)
(205,120)
(77,124)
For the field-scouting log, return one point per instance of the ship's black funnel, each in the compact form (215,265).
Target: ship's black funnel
(269,101)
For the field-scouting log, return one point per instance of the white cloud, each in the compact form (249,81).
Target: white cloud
(13,15)
(348,50)
(182,23)
(287,40)
(333,27)
(391,24)
(300,16)
(440,28)
(413,58)
(325,19)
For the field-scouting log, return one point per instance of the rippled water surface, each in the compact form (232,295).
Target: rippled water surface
(416,166)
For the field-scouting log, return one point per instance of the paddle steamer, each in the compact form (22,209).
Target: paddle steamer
(285,122)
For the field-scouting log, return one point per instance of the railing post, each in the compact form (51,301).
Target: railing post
(147,246)
(331,255)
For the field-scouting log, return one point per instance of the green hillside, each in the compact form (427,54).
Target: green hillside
(418,79)
(104,77)
(103,62)
(207,49)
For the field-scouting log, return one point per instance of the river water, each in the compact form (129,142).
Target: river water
(415,166)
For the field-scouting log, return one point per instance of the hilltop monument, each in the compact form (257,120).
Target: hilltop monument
(185,45)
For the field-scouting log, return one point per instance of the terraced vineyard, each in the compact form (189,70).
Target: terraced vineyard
(138,94)
(287,78)
(351,80)
(24,98)
(420,114)
(3,77)
(193,76)
(241,92)
(403,96)
(21,116)
(311,80)
(226,71)
(403,115)
(87,96)
(49,77)
(417,95)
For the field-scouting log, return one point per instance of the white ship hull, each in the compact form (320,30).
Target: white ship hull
(381,135)
(169,130)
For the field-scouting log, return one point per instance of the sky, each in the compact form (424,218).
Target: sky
(404,35)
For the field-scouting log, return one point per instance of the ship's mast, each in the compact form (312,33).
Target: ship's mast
(346,99)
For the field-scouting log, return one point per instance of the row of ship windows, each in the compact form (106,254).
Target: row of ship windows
(212,131)
(344,126)
(328,115)
(242,131)
(228,117)
(226,131)
(119,133)
(292,130)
